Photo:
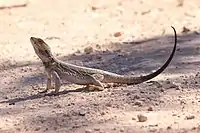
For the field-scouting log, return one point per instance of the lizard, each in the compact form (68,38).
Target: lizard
(58,70)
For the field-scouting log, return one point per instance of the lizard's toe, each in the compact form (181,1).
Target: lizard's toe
(45,91)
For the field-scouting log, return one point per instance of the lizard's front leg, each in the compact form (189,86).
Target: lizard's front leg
(57,81)
(48,86)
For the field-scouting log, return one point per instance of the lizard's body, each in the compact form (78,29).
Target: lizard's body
(58,70)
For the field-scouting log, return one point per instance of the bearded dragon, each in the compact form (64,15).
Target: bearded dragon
(58,70)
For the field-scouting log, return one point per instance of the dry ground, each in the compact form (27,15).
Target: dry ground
(144,43)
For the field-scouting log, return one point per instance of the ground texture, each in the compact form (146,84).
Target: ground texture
(123,36)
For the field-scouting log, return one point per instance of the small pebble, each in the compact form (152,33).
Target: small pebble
(88,131)
(174,114)
(142,118)
(57,106)
(121,130)
(12,103)
(138,103)
(102,113)
(108,104)
(94,8)
(117,34)
(185,30)
(37,129)
(97,129)
(169,127)
(133,118)
(88,50)
(190,117)
(82,113)
(150,109)
(180,3)
(152,130)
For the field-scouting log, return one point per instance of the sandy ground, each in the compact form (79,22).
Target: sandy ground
(126,37)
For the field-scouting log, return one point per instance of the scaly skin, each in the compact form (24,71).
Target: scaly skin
(58,70)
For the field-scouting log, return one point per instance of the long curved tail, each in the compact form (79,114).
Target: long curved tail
(136,80)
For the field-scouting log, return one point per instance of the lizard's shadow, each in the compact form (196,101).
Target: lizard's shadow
(39,95)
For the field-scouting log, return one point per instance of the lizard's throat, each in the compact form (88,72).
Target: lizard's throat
(49,62)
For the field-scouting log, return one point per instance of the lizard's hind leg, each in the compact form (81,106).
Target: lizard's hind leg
(97,78)
(48,86)
(96,84)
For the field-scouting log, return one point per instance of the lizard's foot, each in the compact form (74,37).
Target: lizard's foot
(42,92)
(94,88)
(54,93)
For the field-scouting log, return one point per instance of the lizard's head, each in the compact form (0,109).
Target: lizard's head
(41,49)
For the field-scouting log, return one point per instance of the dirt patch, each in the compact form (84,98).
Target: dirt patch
(125,37)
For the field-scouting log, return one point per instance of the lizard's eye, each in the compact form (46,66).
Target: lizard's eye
(40,40)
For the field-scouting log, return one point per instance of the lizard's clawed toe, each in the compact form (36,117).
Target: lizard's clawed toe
(41,92)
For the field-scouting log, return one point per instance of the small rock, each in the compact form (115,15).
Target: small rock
(169,127)
(57,106)
(55,128)
(88,50)
(37,129)
(88,131)
(82,113)
(45,101)
(12,103)
(175,122)
(121,130)
(117,34)
(185,30)
(150,109)
(108,104)
(133,118)
(182,102)
(145,12)
(97,129)
(138,103)
(194,128)
(136,97)
(153,130)
(128,94)
(180,3)
(190,117)
(102,113)
(174,114)
(98,46)
(162,90)
(78,51)
(153,125)
(94,8)
(76,126)
(141,118)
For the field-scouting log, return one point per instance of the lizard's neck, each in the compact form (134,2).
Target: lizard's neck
(48,63)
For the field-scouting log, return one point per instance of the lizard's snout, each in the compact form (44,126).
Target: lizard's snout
(32,38)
